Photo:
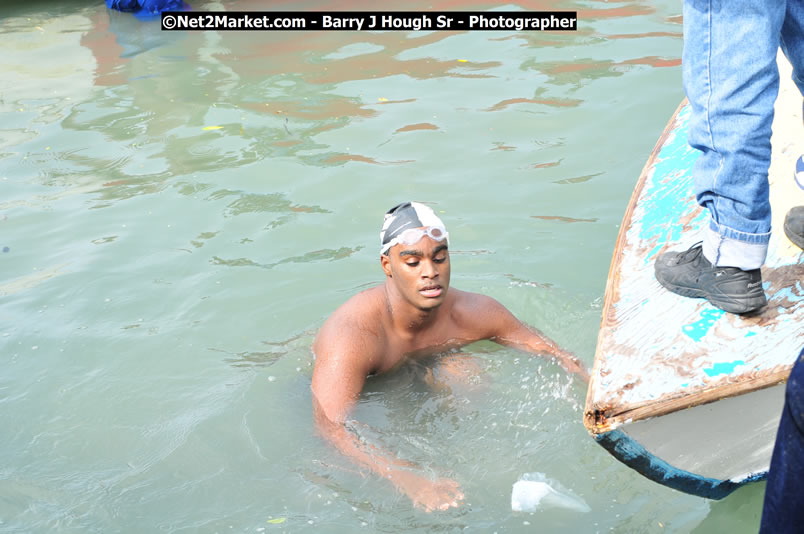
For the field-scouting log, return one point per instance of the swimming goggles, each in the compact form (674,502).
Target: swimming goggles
(411,236)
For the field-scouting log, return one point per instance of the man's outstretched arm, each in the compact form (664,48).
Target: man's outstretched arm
(507,330)
(338,379)
(529,339)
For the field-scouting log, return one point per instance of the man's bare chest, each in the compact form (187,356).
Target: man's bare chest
(419,347)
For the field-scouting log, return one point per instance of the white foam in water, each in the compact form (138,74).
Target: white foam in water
(534,491)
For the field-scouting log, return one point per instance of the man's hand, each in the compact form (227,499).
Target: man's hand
(572,363)
(429,495)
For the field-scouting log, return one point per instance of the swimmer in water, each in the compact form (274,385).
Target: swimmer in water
(414,314)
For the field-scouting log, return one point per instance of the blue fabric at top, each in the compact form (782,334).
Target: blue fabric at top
(782,512)
(145,6)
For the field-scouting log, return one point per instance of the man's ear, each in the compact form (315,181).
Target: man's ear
(385,261)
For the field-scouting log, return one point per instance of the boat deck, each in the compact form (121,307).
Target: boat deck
(657,352)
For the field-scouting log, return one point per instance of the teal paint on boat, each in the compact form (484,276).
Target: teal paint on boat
(750,334)
(697,330)
(673,164)
(722,368)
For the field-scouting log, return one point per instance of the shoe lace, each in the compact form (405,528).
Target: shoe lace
(691,253)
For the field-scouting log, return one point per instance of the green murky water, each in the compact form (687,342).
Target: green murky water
(179,212)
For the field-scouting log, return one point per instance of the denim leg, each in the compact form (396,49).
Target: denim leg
(731,81)
(782,511)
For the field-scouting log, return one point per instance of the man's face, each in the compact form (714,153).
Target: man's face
(420,272)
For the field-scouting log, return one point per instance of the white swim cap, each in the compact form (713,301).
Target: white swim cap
(407,216)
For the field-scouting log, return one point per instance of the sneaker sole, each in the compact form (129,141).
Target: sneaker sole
(798,240)
(732,304)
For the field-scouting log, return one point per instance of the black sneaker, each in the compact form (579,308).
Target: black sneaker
(794,225)
(690,274)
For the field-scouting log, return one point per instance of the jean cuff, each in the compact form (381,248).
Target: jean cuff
(726,251)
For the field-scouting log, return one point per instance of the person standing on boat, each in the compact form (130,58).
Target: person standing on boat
(413,314)
(731,79)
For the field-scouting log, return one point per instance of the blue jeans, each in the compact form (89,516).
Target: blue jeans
(783,512)
(731,80)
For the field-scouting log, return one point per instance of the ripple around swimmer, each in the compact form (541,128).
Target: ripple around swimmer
(310,257)
(416,127)
(297,345)
(13,137)
(32,280)
(578,179)
(552,102)
(200,150)
(250,359)
(262,203)
(354,49)
(336,159)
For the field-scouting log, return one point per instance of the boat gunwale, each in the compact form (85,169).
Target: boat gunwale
(601,419)
(612,280)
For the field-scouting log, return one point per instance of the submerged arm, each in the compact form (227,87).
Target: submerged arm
(511,332)
(338,379)
(531,340)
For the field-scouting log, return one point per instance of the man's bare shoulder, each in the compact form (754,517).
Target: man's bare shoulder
(474,304)
(366,304)
(480,314)
(358,322)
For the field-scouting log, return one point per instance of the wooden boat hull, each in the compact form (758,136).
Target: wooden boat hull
(684,393)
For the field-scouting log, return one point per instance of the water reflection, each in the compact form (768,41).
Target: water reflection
(273,94)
